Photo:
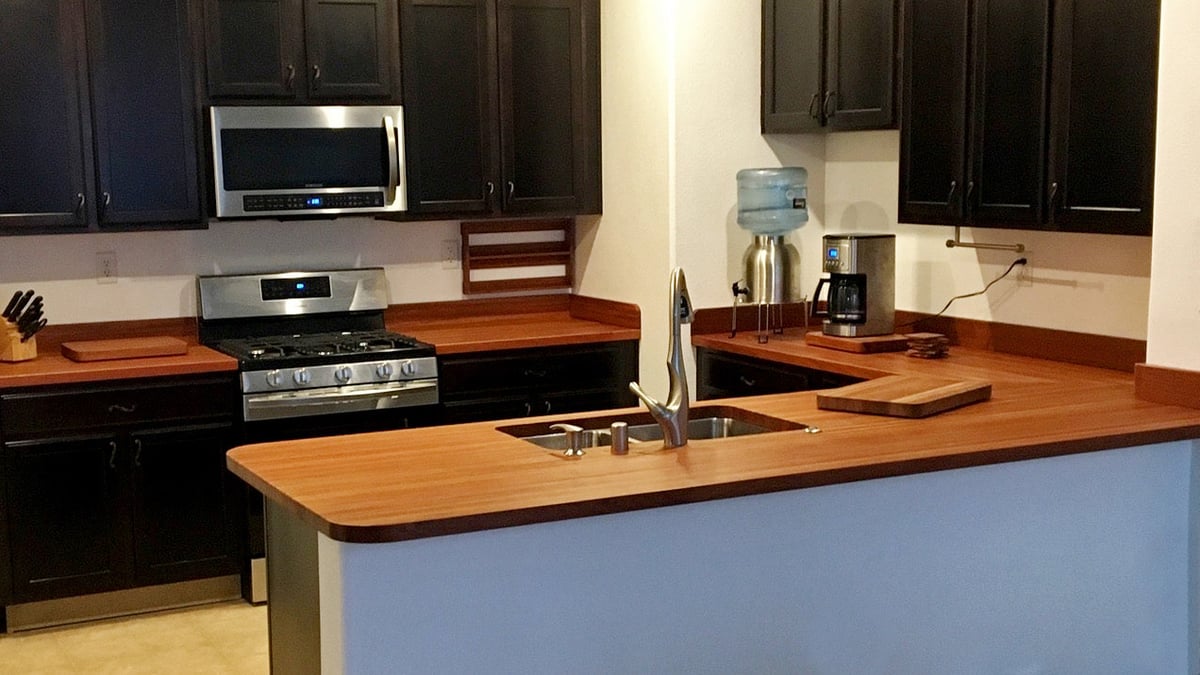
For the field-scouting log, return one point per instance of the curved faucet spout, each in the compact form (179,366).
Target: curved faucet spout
(672,416)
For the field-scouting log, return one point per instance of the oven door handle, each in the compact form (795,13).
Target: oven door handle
(279,405)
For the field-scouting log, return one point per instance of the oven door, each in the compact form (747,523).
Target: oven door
(336,400)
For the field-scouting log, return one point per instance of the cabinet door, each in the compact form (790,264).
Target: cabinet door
(933,127)
(860,65)
(543,116)
(183,504)
(450,93)
(44,144)
(1010,58)
(1102,117)
(353,48)
(67,524)
(255,48)
(144,105)
(792,65)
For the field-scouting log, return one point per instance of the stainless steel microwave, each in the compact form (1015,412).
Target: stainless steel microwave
(308,160)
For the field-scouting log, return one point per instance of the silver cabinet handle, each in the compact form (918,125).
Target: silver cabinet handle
(104,203)
(118,408)
(112,454)
(1053,196)
(829,96)
(80,201)
(512,190)
(812,106)
(490,188)
(289,80)
(316,75)
(137,452)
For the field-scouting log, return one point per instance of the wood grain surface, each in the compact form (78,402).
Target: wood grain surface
(863,345)
(904,396)
(124,348)
(415,483)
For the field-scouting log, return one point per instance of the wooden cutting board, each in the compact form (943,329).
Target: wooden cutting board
(123,348)
(862,345)
(904,395)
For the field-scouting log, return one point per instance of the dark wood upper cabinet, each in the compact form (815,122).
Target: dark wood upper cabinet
(1102,116)
(295,50)
(1011,120)
(502,105)
(45,172)
(98,121)
(828,65)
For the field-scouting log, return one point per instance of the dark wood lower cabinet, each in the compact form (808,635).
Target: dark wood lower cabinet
(544,381)
(725,375)
(140,497)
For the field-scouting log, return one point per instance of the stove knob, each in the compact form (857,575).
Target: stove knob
(408,368)
(342,375)
(383,370)
(302,376)
(274,378)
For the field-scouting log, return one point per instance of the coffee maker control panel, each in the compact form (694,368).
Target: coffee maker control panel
(837,257)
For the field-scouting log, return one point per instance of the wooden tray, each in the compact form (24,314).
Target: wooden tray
(904,396)
(861,345)
(123,348)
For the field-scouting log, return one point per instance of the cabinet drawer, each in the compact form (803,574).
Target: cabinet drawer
(549,369)
(56,411)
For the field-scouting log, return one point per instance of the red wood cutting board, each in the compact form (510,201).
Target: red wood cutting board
(123,348)
(863,345)
(904,395)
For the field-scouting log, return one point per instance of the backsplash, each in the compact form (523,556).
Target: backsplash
(156,270)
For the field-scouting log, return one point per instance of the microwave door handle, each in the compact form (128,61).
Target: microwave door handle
(389,130)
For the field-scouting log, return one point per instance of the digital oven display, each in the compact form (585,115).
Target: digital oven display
(296,288)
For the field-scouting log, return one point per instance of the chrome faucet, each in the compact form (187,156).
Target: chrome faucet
(673,416)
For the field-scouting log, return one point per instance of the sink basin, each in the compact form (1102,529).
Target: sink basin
(706,422)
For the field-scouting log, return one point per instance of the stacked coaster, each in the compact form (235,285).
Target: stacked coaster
(928,345)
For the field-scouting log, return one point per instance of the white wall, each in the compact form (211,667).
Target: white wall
(1175,290)
(157,270)
(626,254)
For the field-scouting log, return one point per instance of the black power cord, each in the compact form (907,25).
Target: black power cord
(1018,261)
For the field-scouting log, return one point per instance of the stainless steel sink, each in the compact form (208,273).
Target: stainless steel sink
(707,422)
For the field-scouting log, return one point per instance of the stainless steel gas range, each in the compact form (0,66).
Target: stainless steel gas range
(315,360)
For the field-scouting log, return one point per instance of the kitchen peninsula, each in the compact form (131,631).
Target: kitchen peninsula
(1049,528)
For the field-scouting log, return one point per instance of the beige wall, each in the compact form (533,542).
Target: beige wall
(1175,290)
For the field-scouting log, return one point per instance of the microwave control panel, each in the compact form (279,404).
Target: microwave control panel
(299,202)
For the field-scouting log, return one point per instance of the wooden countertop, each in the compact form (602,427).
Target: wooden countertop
(408,484)
(452,327)
(51,367)
(514,331)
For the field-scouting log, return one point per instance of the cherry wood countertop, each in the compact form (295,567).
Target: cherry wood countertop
(513,331)
(409,484)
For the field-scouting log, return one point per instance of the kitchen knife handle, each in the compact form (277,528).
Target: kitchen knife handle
(12,304)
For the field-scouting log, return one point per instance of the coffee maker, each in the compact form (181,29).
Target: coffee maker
(862,284)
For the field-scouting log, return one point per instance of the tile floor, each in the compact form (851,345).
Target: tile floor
(228,638)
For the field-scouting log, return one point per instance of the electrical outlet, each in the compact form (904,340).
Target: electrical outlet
(106,267)
(451,254)
(1025,277)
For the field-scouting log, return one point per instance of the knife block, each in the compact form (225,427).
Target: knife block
(11,347)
